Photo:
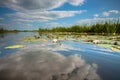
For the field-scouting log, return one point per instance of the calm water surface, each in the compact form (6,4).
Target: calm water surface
(47,61)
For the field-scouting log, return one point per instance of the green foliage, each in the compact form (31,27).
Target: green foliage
(106,28)
(2,30)
(99,28)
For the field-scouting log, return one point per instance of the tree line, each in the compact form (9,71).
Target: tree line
(2,30)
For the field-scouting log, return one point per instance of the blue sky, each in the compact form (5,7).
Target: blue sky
(33,14)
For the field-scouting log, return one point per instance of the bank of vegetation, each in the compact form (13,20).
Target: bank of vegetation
(2,30)
(99,28)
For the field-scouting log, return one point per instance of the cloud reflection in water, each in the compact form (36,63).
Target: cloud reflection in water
(32,63)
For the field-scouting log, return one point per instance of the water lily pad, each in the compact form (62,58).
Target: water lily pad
(30,39)
(112,47)
(105,45)
(14,46)
(116,48)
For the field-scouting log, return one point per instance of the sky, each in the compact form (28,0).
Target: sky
(34,14)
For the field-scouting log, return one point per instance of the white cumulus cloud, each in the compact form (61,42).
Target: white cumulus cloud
(76,2)
(32,4)
(26,5)
(52,24)
(96,20)
(39,10)
(108,13)
(114,11)
(96,15)
(44,15)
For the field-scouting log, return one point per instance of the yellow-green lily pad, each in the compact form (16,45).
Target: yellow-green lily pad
(14,46)
(30,39)
(112,47)
(116,48)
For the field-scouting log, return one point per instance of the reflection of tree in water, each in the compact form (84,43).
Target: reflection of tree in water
(36,64)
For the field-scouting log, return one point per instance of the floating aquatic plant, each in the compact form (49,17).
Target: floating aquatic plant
(14,46)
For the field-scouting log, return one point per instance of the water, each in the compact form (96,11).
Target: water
(12,39)
(47,61)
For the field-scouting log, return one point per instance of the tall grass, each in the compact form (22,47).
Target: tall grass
(98,28)
(103,28)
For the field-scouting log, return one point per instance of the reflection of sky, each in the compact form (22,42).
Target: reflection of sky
(55,60)
(30,63)
(9,39)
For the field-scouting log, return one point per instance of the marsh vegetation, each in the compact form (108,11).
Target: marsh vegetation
(99,28)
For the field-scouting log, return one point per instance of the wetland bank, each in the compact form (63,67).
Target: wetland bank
(59,40)
(72,53)
(73,57)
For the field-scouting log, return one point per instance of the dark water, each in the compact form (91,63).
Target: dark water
(48,61)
